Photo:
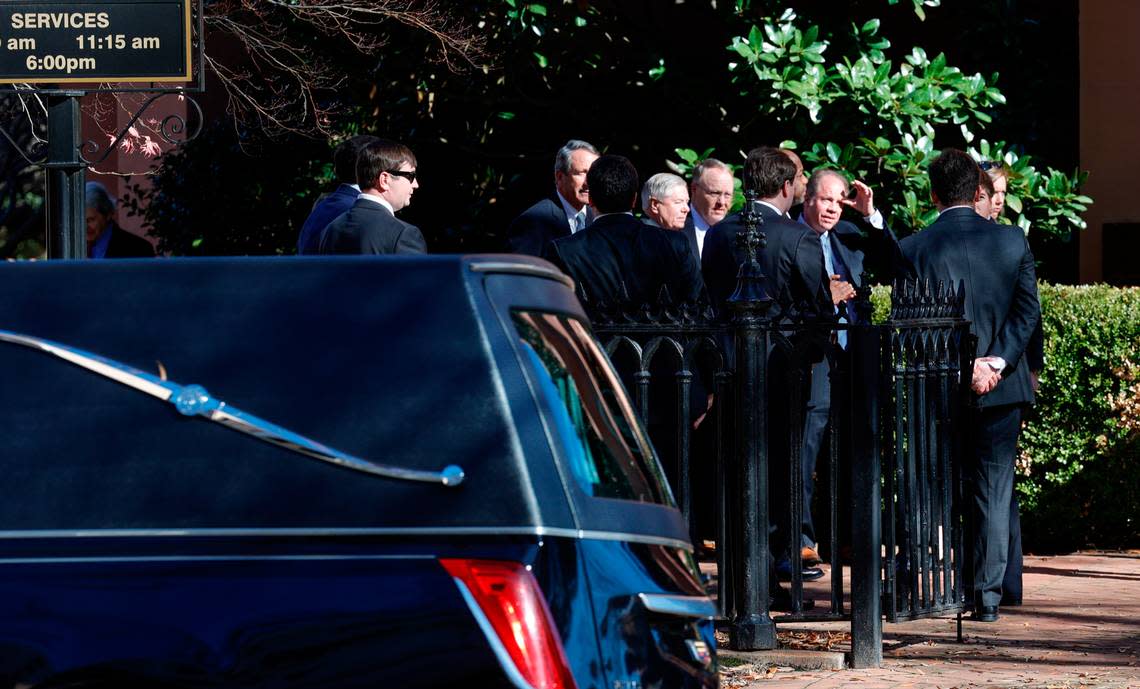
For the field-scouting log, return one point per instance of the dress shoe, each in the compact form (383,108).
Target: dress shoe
(985,613)
(1010,601)
(784,571)
(810,556)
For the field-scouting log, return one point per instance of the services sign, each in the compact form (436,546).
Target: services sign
(92,41)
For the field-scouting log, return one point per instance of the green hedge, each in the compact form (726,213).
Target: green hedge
(1079,465)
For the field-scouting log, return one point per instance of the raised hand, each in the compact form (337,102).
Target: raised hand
(864,201)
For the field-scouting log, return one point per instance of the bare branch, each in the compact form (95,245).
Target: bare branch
(288,84)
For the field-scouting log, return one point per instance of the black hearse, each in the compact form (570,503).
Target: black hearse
(329,472)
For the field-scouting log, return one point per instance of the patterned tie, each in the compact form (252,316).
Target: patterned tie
(580,220)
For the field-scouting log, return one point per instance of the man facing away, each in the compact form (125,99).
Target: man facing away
(105,239)
(792,261)
(711,193)
(618,258)
(330,206)
(562,213)
(996,266)
(386,173)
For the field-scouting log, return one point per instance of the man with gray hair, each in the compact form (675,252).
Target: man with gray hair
(711,191)
(562,213)
(665,202)
(105,239)
(848,250)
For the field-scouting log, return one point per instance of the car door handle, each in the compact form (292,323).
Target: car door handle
(681,606)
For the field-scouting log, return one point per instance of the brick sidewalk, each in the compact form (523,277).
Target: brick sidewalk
(1079,627)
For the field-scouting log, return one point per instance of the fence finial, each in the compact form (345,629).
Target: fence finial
(750,278)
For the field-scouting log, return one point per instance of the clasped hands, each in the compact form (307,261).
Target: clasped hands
(985,377)
(841,290)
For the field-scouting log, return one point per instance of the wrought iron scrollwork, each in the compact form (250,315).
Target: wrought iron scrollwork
(38,149)
(169,128)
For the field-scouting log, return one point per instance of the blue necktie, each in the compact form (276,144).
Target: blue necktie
(834,267)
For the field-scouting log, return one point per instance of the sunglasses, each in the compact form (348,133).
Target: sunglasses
(406,174)
(988,165)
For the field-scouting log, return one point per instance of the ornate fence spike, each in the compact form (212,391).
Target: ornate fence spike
(862,302)
(750,277)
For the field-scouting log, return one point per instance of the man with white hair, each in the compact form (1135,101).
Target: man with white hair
(665,202)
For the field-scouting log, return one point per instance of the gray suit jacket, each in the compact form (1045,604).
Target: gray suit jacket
(369,228)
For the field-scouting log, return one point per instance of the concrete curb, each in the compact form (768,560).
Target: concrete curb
(790,657)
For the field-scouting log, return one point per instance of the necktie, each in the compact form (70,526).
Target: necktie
(580,220)
(830,264)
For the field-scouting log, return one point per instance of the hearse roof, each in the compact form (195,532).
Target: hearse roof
(385,359)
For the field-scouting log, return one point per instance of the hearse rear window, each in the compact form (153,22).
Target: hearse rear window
(609,454)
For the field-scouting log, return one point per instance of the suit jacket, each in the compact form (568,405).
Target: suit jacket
(792,263)
(690,231)
(864,248)
(124,244)
(369,228)
(996,266)
(324,212)
(532,232)
(618,258)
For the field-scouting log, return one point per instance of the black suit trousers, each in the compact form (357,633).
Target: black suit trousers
(990,473)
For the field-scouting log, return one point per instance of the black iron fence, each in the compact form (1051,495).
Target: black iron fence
(890,503)
(929,344)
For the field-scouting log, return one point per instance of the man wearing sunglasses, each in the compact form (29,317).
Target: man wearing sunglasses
(386,173)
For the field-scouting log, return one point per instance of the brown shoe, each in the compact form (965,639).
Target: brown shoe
(810,556)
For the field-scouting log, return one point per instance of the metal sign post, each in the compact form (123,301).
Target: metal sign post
(66,172)
(48,47)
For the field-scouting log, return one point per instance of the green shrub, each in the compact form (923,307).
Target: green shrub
(1079,464)
(1080,447)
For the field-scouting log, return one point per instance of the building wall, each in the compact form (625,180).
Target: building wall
(1109,132)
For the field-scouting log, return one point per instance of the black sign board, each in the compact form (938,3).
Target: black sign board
(92,41)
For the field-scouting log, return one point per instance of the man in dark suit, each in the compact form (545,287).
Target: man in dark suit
(105,239)
(562,213)
(386,173)
(330,206)
(792,263)
(848,250)
(618,258)
(996,266)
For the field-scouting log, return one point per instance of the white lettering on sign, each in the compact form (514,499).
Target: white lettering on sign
(60,20)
